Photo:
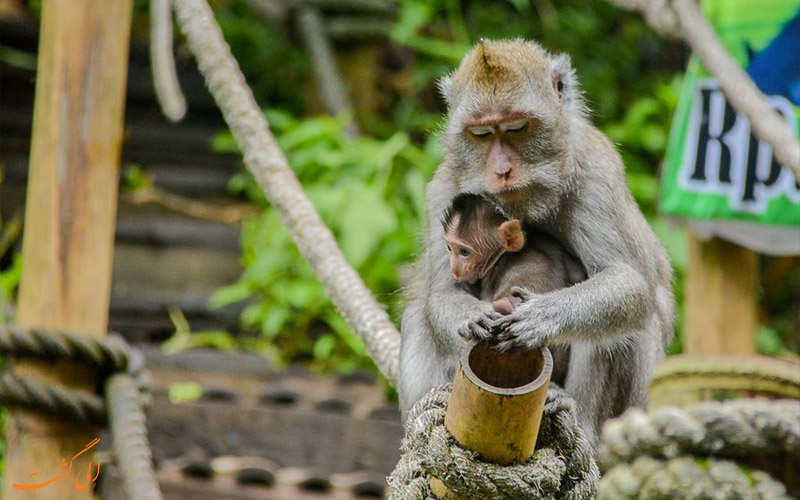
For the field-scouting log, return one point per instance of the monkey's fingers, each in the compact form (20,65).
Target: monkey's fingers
(504,346)
(480,329)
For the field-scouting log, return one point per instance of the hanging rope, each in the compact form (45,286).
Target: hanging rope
(162,62)
(562,466)
(129,442)
(124,389)
(330,83)
(268,164)
(697,453)
(684,19)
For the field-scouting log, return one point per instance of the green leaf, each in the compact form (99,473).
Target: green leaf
(184,392)
(274,319)
(768,341)
(364,222)
(302,294)
(338,324)
(224,142)
(324,346)
(230,294)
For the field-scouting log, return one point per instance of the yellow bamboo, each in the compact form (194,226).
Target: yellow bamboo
(496,405)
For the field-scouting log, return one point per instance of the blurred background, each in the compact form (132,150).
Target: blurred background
(202,260)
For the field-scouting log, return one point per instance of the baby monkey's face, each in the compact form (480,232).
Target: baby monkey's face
(466,261)
(473,253)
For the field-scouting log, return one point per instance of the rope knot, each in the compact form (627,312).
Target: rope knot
(562,466)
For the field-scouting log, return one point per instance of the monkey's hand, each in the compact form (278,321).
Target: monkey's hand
(531,325)
(480,327)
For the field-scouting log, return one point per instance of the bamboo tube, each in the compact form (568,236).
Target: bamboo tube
(497,403)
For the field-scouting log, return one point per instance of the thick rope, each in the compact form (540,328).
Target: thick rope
(269,166)
(683,18)
(562,466)
(105,354)
(688,478)
(733,429)
(68,404)
(129,443)
(675,450)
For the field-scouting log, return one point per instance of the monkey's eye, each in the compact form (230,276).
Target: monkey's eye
(448,248)
(481,132)
(514,126)
(463,252)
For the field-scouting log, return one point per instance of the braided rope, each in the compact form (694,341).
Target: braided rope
(108,353)
(733,429)
(561,467)
(129,443)
(682,452)
(688,478)
(69,404)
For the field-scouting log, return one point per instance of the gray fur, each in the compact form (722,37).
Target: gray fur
(618,322)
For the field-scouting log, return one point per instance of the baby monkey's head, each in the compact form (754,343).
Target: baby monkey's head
(477,235)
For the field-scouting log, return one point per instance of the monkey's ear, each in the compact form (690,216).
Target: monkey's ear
(511,235)
(446,88)
(565,83)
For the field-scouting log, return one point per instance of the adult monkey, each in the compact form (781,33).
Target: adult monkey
(517,133)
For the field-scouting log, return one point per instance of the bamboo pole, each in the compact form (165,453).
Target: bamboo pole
(496,405)
(69,223)
(721,303)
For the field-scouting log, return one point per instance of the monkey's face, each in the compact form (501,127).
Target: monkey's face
(507,126)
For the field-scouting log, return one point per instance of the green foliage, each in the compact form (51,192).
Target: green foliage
(9,282)
(370,193)
(184,392)
(184,339)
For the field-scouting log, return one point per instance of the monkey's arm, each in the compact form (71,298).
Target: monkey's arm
(611,304)
(451,311)
(617,247)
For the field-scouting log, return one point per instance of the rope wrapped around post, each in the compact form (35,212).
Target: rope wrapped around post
(125,390)
(702,452)
(561,467)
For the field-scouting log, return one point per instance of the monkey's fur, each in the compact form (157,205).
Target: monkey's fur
(517,133)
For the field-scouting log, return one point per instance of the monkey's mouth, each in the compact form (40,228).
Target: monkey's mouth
(512,194)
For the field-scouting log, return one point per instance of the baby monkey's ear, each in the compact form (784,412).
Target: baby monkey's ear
(511,236)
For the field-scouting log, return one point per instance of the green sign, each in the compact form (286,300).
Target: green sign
(715,168)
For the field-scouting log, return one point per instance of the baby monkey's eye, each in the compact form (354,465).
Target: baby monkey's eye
(463,252)
(448,247)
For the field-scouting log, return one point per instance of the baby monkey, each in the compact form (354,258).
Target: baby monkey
(494,255)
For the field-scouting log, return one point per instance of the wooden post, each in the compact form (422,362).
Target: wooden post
(721,305)
(69,222)
(496,405)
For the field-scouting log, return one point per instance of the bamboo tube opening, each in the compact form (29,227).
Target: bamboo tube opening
(507,373)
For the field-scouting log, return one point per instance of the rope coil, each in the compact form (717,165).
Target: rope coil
(561,467)
(702,452)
